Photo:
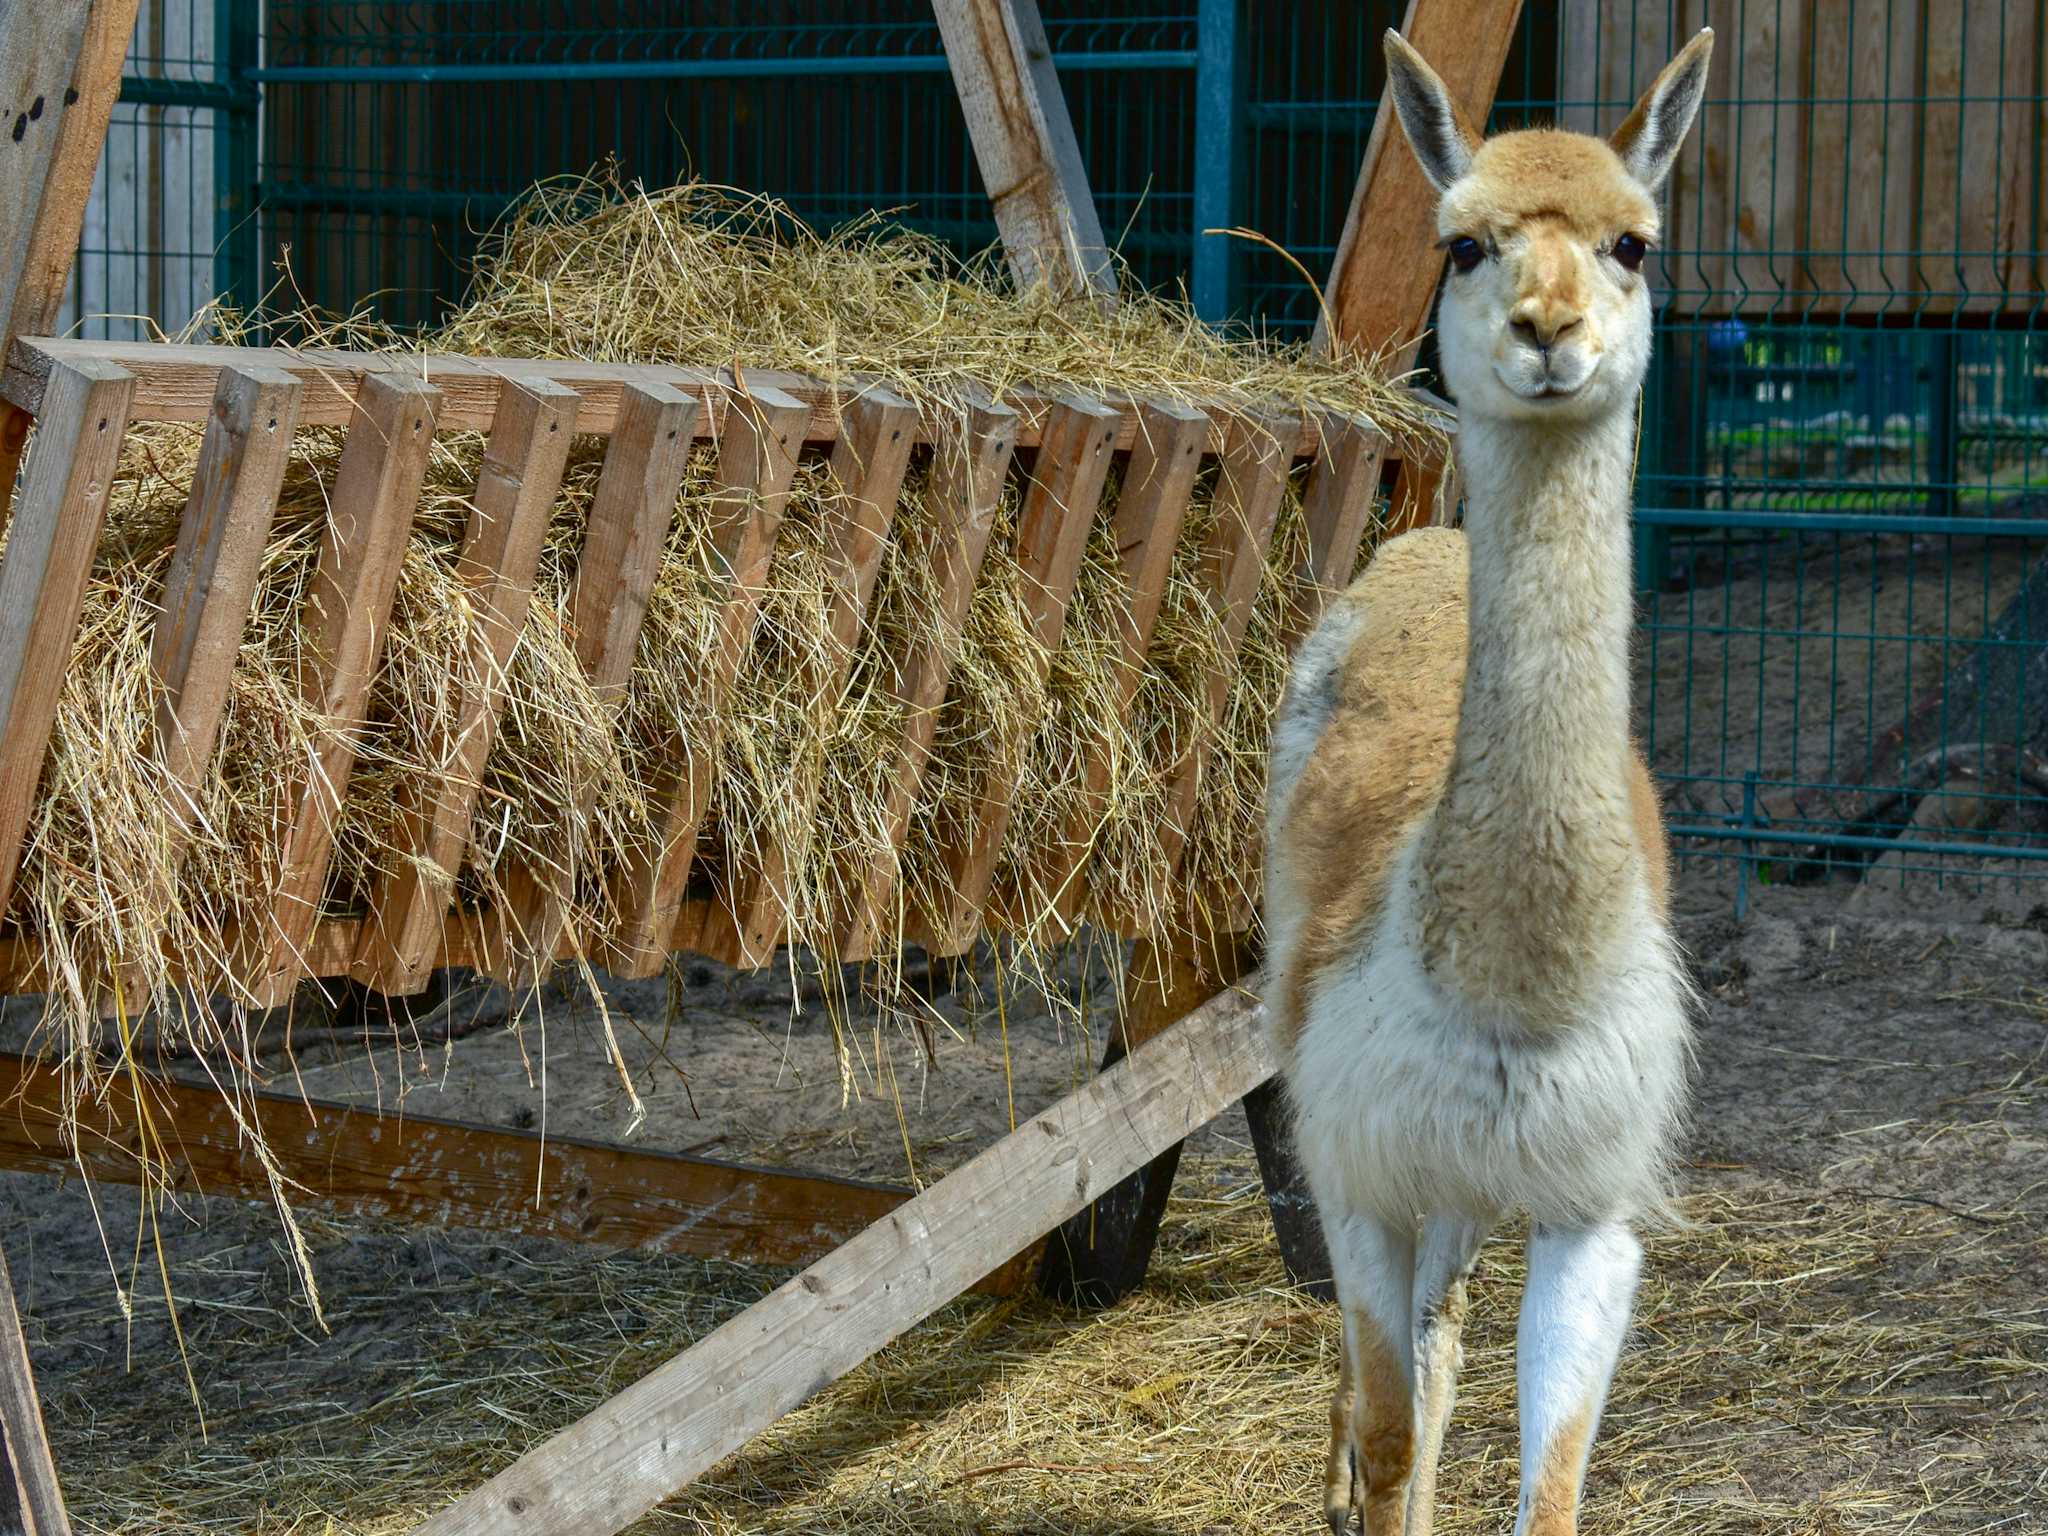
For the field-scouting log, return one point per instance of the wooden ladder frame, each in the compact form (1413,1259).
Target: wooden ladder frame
(1190,1043)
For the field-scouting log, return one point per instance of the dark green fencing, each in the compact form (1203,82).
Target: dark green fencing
(1843,484)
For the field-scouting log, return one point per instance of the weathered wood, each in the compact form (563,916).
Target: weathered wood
(757,457)
(1100,1254)
(210,586)
(1024,141)
(1150,508)
(516,487)
(38,1500)
(1337,507)
(1861,135)
(623,542)
(175,382)
(616,1463)
(43,571)
(1977,177)
(1296,1225)
(868,466)
(1420,497)
(344,621)
(440,1173)
(1385,273)
(969,467)
(1248,495)
(1052,536)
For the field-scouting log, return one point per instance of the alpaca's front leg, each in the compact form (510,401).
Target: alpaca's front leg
(1373,1424)
(1582,1281)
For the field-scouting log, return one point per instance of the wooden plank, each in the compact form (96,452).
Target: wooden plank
(757,457)
(1420,497)
(516,487)
(343,624)
(1385,273)
(627,532)
(969,468)
(1337,507)
(210,586)
(1024,141)
(616,1463)
(176,382)
(43,572)
(37,1497)
(1100,1254)
(1975,193)
(1861,133)
(1150,508)
(441,1173)
(868,466)
(1248,495)
(1053,524)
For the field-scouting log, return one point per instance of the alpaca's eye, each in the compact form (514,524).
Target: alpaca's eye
(1630,250)
(1466,253)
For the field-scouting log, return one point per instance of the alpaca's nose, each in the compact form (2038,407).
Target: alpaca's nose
(1539,320)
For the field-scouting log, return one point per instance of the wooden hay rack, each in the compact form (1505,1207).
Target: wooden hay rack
(880,1261)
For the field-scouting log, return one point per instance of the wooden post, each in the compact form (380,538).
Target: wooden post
(60,71)
(1024,141)
(30,1483)
(1100,1254)
(602,1473)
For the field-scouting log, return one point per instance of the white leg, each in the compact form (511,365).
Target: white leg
(1582,1281)
(1442,1266)
(1372,1421)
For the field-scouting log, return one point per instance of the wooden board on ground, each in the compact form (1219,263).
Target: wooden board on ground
(620,1460)
(441,1173)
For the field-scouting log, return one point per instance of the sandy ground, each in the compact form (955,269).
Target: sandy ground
(1886,1071)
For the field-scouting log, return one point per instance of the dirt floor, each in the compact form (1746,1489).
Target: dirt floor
(1853,1335)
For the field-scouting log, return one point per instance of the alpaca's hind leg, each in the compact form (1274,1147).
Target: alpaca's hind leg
(1375,1266)
(1442,1266)
(1582,1281)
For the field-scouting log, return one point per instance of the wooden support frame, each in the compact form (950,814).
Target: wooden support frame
(1024,141)
(620,1460)
(31,1502)
(1052,536)
(440,1173)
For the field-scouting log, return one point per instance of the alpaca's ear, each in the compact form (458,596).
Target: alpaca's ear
(1648,141)
(1437,131)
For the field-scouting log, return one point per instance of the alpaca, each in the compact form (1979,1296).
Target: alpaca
(1475,993)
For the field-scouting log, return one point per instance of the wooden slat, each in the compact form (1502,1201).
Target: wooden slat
(969,468)
(868,466)
(1248,495)
(38,1500)
(1385,272)
(1977,167)
(1861,133)
(630,518)
(516,488)
(617,1462)
(343,624)
(1024,141)
(1052,536)
(43,571)
(1150,508)
(441,1173)
(175,382)
(210,586)
(757,457)
(1337,507)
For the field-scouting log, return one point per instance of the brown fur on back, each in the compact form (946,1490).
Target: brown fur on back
(1382,760)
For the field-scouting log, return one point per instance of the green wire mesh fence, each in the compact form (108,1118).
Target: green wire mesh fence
(1843,487)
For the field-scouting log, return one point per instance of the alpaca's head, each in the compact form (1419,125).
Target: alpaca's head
(1546,312)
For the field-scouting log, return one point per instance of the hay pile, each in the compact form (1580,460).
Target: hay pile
(1803,1364)
(698,276)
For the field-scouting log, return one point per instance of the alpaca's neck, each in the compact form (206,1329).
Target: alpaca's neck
(1527,856)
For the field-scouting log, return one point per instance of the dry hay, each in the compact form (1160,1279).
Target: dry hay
(1804,1363)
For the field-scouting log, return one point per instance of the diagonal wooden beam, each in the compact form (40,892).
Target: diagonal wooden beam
(31,1479)
(602,1473)
(1024,141)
